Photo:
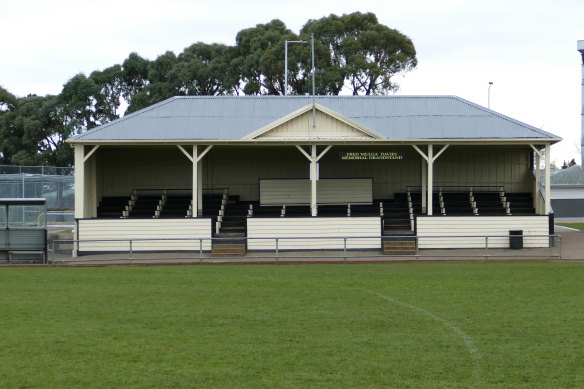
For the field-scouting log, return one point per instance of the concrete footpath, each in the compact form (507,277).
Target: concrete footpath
(572,243)
(572,249)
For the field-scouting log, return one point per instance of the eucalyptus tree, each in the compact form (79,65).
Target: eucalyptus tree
(260,58)
(32,133)
(204,69)
(364,54)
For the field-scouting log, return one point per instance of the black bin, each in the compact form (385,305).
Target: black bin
(516,239)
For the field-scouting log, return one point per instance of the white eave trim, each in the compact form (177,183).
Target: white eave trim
(173,142)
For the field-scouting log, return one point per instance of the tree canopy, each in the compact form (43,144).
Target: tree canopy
(354,54)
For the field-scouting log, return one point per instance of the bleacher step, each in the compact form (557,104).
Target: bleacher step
(228,249)
(399,247)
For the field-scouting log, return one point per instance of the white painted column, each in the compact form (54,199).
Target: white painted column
(424,179)
(430,179)
(79,181)
(200,186)
(91,180)
(313,181)
(195,205)
(547,180)
(537,183)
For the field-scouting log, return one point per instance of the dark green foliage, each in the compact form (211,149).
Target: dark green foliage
(352,51)
(32,132)
(364,54)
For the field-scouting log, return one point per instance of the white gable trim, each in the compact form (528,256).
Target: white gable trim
(308,108)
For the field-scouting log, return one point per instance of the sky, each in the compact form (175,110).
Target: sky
(526,48)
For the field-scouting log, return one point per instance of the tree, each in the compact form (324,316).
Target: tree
(260,58)
(134,76)
(110,93)
(33,133)
(156,86)
(365,55)
(79,99)
(204,69)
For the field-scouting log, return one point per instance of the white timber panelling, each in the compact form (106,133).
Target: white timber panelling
(329,191)
(126,169)
(485,166)
(306,233)
(469,231)
(326,127)
(116,229)
(567,193)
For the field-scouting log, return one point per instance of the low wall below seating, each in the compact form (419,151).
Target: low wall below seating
(303,233)
(470,231)
(111,235)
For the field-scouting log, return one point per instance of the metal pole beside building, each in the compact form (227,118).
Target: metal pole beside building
(581,50)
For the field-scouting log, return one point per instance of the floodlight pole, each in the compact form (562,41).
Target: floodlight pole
(489,101)
(286,64)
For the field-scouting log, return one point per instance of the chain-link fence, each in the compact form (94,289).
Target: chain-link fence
(56,184)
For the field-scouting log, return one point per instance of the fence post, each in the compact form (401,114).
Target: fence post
(131,256)
(201,248)
(276,249)
(486,247)
(345,247)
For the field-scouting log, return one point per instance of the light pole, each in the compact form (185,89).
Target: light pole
(489,101)
(286,64)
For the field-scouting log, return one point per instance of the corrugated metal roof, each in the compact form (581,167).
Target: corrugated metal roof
(233,117)
(572,176)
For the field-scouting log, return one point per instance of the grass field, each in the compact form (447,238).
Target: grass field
(410,325)
(578,226)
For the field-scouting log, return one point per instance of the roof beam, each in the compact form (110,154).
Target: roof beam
(538,152)
(188,155)
(304,152)
(323,153)
(88,155)
(204,152)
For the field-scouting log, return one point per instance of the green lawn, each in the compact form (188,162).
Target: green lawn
(410,325)
(579,226)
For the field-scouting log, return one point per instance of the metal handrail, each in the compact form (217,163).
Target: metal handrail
(488,250)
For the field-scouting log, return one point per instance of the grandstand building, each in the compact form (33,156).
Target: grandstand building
(304,167)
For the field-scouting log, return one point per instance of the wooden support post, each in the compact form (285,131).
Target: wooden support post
(79,181)
(313,181)
(195,204)
(430,179)
(424,180)
(548,207)
(537,183)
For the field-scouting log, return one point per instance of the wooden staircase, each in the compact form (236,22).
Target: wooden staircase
(228,249)
(399,246)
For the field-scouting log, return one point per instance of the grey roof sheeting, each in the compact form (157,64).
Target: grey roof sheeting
(572,176)
(233,117)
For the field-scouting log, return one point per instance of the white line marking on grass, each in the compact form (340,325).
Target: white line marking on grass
(468,342)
